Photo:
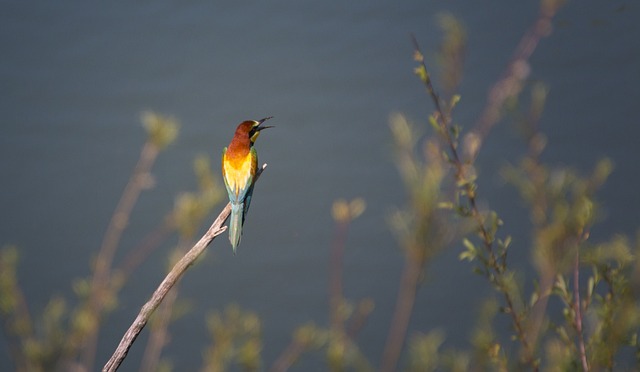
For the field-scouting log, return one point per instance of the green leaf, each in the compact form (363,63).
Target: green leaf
(455,131)
(471,251)
(591,284)
(434,124)
(561,285)
(422,73)
(162,130)
(454,101)
(507,242)
(445,205)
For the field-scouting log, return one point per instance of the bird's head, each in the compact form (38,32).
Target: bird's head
(252,128)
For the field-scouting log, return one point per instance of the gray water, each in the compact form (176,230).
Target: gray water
(75,76)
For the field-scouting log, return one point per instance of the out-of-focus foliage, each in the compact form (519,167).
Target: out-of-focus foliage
(420,227)
(345,211)
(236,339)
(576,309)
(162,130)
(56,338)
(191,208)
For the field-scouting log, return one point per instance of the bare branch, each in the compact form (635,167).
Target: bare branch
(169,281)
(159,335)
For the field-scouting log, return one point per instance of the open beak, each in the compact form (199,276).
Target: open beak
(262,121)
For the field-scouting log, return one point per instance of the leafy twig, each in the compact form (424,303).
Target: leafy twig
(420,228)
(462,171)
(140,252)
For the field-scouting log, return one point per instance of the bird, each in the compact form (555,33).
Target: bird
(239,167)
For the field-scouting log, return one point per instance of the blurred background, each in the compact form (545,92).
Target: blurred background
(75,77)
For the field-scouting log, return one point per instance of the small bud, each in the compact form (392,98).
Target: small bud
(340,211)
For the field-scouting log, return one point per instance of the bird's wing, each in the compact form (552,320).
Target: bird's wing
(254,169)
(224,176)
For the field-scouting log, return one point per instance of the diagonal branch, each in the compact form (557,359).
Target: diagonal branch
(159,334)
(169,281)
(511,82)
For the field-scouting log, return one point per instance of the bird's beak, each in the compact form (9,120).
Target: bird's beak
(262,121)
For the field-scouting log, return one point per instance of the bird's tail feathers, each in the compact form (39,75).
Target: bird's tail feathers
(235,224)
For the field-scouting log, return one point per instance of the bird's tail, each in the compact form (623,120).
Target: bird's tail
(235,224)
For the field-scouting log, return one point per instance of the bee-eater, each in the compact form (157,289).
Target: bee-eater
(239,166)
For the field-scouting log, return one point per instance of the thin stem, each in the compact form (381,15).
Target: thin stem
(138,255)
(117,224)
(511,82)
(508,86)
(539,309)
(444,122)
(402,312)
(442,119)
(578,310)
(169,281)
(121,215)
(360,318)
(288,356)
(335,276)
